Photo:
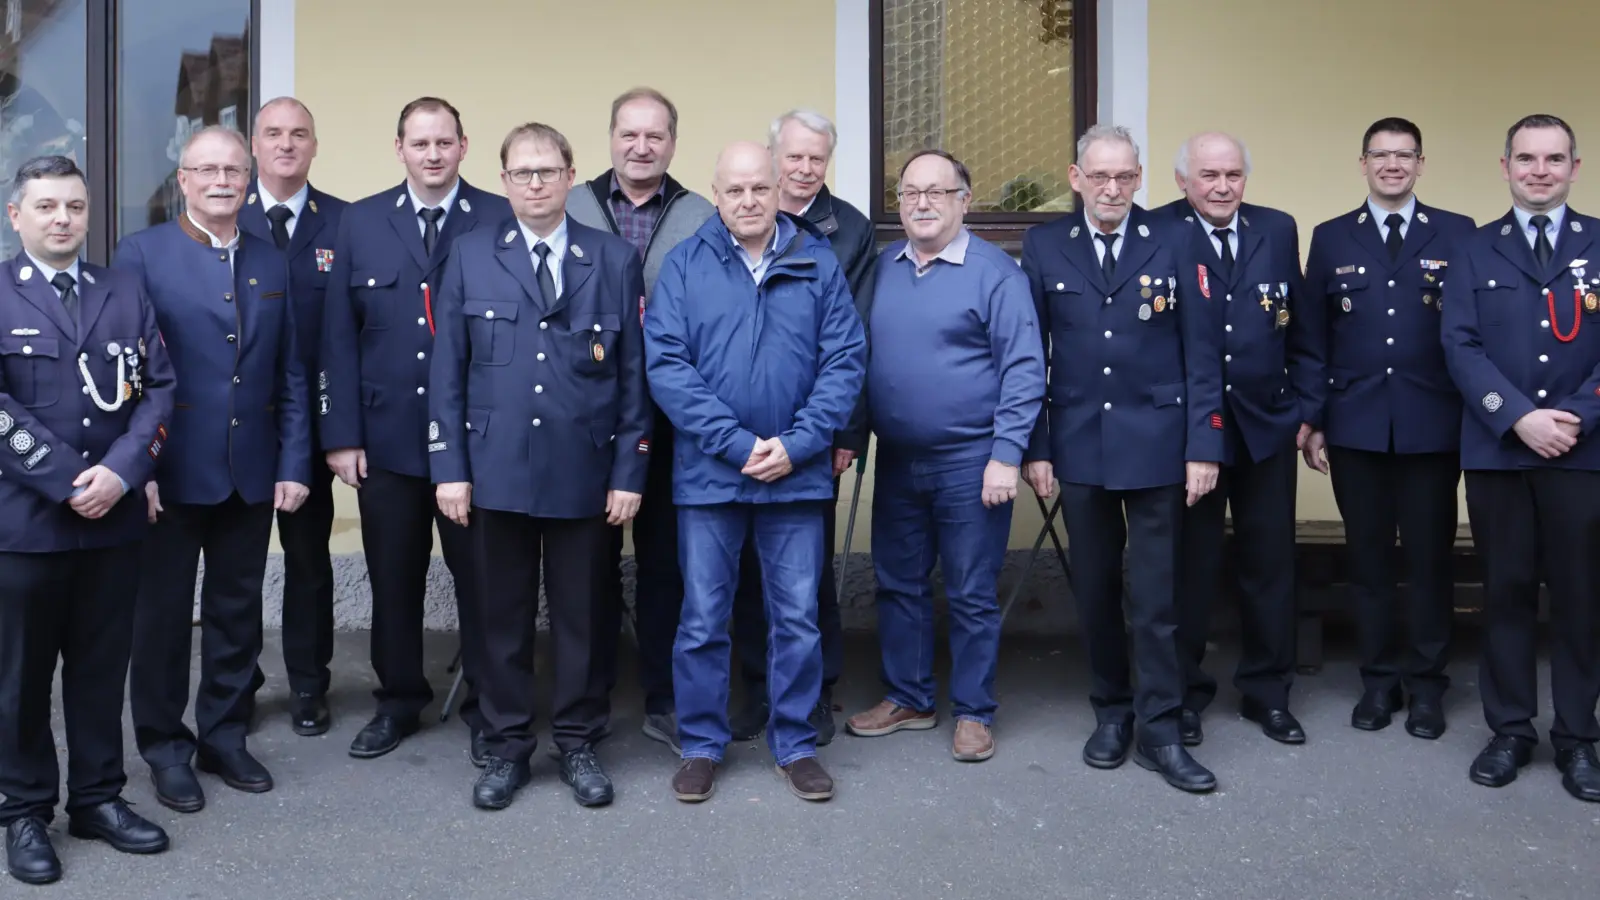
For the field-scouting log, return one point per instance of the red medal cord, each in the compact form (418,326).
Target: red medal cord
(1577,316)
(427,307)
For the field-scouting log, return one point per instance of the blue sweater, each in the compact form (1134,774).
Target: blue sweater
(956,366)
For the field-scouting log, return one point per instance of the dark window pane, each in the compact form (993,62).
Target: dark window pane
(181,65)
(42,88)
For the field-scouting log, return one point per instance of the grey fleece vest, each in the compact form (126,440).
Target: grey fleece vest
(683,216)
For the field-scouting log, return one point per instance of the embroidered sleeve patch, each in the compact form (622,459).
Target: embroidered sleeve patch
(438,446)
(21,441)
(1216,420)
(324,404)
(5,423)
(155,449)
(37,457)
(433,430)
(1493,401)
(644,445)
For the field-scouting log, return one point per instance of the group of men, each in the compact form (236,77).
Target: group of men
(531,372)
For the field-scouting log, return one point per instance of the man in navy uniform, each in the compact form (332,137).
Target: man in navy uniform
(539,440)
(377,346)
(240,449)
(1131,430)
(301,221)
(1242,264)
(1389,434)
(756,355)
(1522,339)
(85,395)
(637,200)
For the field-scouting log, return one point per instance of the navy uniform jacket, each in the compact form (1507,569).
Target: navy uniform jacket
(543,409)
(310,261)
(1505,350)
(1375,326)
(240,421)
(1135,376)
(1271,379)
(51,427)
(377,341)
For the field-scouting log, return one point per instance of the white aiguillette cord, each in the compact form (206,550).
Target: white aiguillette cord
(94,393)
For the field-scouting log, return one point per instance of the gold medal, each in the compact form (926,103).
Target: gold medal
(1144,280)
(1591,302)
(1160,304)
(1427,299)
(1145,293)
(1283,318)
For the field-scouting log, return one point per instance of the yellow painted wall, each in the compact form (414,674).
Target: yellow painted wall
(1300,80)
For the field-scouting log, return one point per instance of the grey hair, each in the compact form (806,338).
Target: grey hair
(1543,120)
(43,167)
(233,135)
(809,119)
(1106,132)
(1181,163)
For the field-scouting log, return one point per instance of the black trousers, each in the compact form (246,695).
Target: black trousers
(398,514)
(1414,495)
(1532,525)
(308,586)
(233,535)
(507,550)
(1261,496)
(658,587)
(1096,533)
(75,605)
(750,613)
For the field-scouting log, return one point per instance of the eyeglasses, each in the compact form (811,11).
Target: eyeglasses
(525,176)
(1124,179)
(209,173)
(934,195)
(1403,157)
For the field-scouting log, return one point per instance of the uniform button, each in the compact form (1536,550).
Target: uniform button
(85,454)
(540,357)
(26,350)
(538,389)
(1391,282)
(228,297)
(423,286)
(1108,301)
(422,321)
(1108,334)
(234,423)
(597,324)
(1060,286)
(1386,371)
(489,314)
(1228,358)
(1330,381)
(421,355)
(231,338)
(1543,358)
(1230,298)
(1541,395)
(1108,406)
(1106,370)
(235,379)
(536,423)
(597,327)
(1389,341)
(421,391)
(543,326)
(1362,270)
(1546,292)
(86,423)
(1228,328)
(1227,387)
(372,282)
(1491,282)
(1391,312)
(1545,323)
(86,389)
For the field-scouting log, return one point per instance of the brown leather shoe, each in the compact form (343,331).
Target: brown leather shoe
(807,779)
(695,780)
(887,718)
(973,742)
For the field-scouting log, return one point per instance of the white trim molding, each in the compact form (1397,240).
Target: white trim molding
(277,50)
(1124,76)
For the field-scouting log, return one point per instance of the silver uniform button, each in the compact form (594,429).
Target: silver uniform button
(85,454)
(421,355)
(1108,334)
(488,314)
(1491,282)
(540,357)
(372,282)
(1391,282)
(1386,371)
(1391,312)
(235,379)
(597,324)
(1389,341)
(26,349)
(422,320)
(1227,357)
(1543,358)
(1060,286)
(538,389)
(86,423)
(234,423)
(422,390)
(543,325)
(1362,270)
(1107,370)
(1227,387)
(1230,298)
(1541,395)
(536,423)
(1544,323)
(1228,328)
(1108,406)
(86,389)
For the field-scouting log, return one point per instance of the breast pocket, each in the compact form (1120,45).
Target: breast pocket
(373,291)
(596,337)
(1496,295)
(32,367)
(491,331)
(1344,291)
(1070,306)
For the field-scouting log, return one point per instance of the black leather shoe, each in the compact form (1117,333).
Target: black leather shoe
(381,735)
(1426,719)
(1497,764)
(751,719)
(1189,728)
(1376,709)
(1278,724)
(1108,747)
(499,783)
(1580,771)
(237,769)
(177,789)
(821,718)
(1175,764)
(309,715)
(29,857)
(479,749)
(580,769)
(119,826)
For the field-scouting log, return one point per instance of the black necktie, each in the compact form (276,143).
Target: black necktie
(69,296)
(1108,261)
(1395,238)
(1227,250)
(430,234)
(1542,251)
(279,216)
(547,281)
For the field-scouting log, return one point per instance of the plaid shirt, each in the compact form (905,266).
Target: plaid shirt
(635,223)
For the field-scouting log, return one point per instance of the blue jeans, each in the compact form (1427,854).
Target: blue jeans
(925,510)
(788,543)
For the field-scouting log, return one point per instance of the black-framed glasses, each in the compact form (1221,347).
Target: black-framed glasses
(525,176)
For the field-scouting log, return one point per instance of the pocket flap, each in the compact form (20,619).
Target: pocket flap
(478,421)
(1065,282)
(46,347)
(1349,281)
(592,322)
(1169,394)
(370,393)
(491,309)
(374,278)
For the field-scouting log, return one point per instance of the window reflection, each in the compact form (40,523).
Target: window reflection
(182,65)
(42,88)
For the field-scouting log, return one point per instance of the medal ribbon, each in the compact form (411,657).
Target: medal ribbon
(1577,315)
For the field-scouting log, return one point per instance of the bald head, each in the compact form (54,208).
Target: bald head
(745,188)
(284,145)
(1211,170)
